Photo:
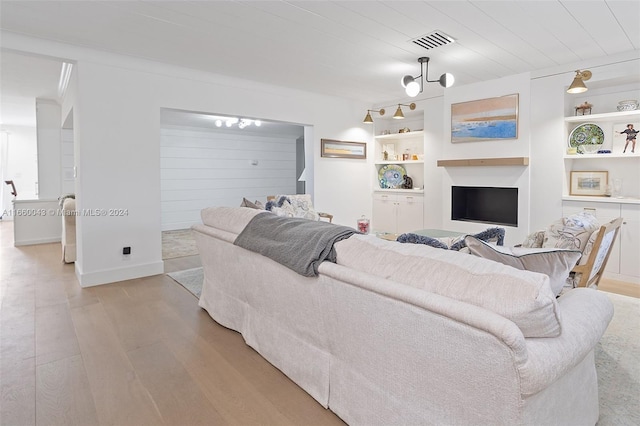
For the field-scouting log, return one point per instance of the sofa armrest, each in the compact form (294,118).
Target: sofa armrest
(211,231)
(586,313)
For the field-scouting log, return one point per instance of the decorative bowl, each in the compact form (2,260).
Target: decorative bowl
(627,105)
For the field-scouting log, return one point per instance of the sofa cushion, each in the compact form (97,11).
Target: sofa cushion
(556,263)
(523,297)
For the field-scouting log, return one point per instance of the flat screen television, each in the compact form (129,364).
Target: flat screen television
(485,204)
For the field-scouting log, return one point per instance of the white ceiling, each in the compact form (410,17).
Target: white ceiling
(353,49)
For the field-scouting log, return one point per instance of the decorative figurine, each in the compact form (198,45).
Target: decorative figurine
(583,108)
(385,155)
(407,183)
(631,137)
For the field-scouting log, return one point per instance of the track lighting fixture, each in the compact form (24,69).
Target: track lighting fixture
(414,85)
(578,86)
(368,119)
(399,115)
(230,121)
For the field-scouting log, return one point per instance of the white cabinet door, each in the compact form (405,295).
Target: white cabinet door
(410,213)
(384,213)
(397,213)
(630,240)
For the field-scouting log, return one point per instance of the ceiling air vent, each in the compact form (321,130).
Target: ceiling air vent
(433,40)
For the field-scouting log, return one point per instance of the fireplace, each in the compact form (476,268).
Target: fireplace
(485,204)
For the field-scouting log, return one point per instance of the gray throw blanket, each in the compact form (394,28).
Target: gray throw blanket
(299,244)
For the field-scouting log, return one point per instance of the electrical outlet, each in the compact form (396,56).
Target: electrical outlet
(126,250)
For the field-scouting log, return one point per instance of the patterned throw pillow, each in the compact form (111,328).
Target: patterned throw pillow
(303,206)
(534,240)
(491,235)
(421,239)
(571,232)
(256,205)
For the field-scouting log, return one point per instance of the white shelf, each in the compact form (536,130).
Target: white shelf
(600,156)
(401,135)
(400,190)
(382,163)
(607,116)
(610,200)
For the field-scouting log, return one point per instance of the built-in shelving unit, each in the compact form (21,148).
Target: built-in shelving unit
(398,210)
(625,167)
(475,162)
(604,117)
(410,143)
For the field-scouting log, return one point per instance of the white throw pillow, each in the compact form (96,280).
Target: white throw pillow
(555,263)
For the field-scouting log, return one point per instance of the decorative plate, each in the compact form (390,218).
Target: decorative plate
(390,176)
(586,134)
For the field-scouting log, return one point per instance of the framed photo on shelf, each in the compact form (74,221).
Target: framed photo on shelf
(620,137)
(485,119)
(589,183)
(338,149)
(390,149)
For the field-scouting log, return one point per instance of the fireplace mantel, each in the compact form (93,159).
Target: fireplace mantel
(474,162)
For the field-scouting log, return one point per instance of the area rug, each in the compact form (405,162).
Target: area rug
(191,279)
(617,355)
(618,364)
(178,243)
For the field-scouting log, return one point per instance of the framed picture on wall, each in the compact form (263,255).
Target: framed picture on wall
(339,149)
(589,183)
(485,119)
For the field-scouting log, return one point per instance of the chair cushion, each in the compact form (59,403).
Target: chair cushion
(555,263)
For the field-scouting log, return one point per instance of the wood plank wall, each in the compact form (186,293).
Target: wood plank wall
(203,168)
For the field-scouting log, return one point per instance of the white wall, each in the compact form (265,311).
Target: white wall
(116,120)
(67,180)
(202,168)
(22,163)
(502,176)
(49,145)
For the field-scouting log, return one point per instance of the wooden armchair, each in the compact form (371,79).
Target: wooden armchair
(590,272)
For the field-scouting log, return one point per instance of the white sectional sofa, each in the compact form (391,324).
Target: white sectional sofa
(408,334)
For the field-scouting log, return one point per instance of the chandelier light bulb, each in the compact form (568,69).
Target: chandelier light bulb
(406,80)
(218,123)
(447,80)
(258,123)
(412,89)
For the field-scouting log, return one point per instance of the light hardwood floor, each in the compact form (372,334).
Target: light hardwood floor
(137,352)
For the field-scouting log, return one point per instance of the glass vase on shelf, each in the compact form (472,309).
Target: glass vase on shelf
(617,188)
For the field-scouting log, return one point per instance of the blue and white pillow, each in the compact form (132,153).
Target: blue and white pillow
(491,235)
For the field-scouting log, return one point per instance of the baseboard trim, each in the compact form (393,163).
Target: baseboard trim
(109,276)
(37,241)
